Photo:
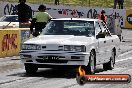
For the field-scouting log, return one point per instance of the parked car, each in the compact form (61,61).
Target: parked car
(71,42)
(9,21)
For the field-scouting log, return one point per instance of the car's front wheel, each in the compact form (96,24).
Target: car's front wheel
(111,63)
(30,68)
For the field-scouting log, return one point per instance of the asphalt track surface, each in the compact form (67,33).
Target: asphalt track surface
(13,75)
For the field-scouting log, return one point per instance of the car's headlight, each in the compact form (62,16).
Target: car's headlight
(79,48)
(68,48)
(30,47)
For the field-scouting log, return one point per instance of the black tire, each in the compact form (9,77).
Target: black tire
(90,69)
(111,63)
(81,80)
(30,68)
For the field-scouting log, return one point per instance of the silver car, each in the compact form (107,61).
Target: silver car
(71,42)
(9,21)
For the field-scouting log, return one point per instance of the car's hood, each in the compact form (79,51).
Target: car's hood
(61,39)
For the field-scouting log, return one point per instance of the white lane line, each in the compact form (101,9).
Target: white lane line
(125,53)
(129,58)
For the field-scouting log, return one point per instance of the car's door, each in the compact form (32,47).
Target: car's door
(101,49)
(108,43)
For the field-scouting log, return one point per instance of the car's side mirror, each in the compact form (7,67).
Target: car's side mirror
(100,35)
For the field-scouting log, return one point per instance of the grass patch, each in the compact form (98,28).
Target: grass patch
(91,3)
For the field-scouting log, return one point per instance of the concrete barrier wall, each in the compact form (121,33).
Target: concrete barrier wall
(11,40)
(74,11)
(68,11)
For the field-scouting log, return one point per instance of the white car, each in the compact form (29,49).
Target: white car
(71,42)
(9,21)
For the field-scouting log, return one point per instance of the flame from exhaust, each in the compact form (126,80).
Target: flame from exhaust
(81,71)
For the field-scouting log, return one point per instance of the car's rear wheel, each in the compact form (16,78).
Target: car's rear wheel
(90,69)
(111,63)
(30,68)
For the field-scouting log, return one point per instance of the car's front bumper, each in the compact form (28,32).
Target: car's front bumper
(54,58)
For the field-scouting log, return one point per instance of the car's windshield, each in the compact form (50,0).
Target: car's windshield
(69,27)
(9,18)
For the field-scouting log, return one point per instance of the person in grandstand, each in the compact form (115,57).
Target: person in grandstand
(120,3)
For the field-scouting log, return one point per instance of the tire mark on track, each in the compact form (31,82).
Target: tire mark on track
(11,81)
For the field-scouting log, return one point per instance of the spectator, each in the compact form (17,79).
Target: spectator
(24,13)
(39,20)
(56,2)
(103,16)
(120,3)
(115,3)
